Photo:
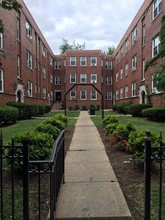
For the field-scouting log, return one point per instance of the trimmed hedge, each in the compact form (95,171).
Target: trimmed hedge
(155,114)
(120,108)
(8,114)
(136,109)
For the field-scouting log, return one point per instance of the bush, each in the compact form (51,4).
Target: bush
(98,107)
(76,107)
(48,128)
(8,114)
(136,109)
(109,120)
(55,122)
(40,147)
(62,118)
(110,128)
(70,108)
(47,108)
(84,108)
(120,108)
(25,111)
(41,109)
(155,114)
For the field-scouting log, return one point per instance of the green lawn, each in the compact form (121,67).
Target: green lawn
(140,123)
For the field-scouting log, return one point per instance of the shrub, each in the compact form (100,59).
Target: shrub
(121,133)
(92,106)
(109,119)
(8,114)
(155,114)
(40,146)
(110,128)
(70,108)
(55,122)
(41,109)
(120,108)
(98,107)
(47,108)
(84,108)
(48,128)
(136,109)
(76,107)
(62,118)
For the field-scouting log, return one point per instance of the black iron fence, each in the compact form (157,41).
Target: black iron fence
(39,182)
(152,154)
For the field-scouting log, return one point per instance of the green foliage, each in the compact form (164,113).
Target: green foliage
(67,46)
(110,50)
(120,108)
(70,108)
(110,128)
(40,146)
(48,128)
(47,108)
(159,76)
(62,118)
(84,108)
(136,109)
(77,107)
(109,120)
(92,106)
(155,114)
(55,122)
(8,114)
(98,107)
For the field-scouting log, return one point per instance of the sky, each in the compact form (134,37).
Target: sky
(98,23)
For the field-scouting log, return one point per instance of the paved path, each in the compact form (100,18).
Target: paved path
(91,190)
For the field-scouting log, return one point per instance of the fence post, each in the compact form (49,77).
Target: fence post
(25,180)
(1,169)
(161,176)
(147,173)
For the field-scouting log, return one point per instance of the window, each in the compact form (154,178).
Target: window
(51,95)
(155,46)
(44,93)
(93,95)
(43,72)
(117,58)
(1,40)
(83,78)
(18,67)
(126,45)
(121,73)
(51,78)
(143,35)
(72,61)
(28,30)
(108,65)
(29,88)
(157,7)
(110,80)
(51,60)
(72,78)
(29,59)
(94,78)
(57,80)
(134,89)
(83,61)
(18,29)
(43,50)
(117,76)
(154,89)
(117,94)
(72,94)
(126,91)
(134,63)
(93,61)
(108,96)
(143,70)
(83,95)
(57,64)
(1,81)
(134,35)
(121,93)
(126,69)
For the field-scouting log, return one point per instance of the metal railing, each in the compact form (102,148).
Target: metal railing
(53,169)
(153,154)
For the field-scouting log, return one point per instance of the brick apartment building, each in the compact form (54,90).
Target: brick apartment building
(31,73)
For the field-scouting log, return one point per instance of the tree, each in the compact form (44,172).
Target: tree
(110,50)
(74,46)
(8,5)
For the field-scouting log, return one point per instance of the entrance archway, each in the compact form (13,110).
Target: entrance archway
(102,96)
(143,96)
(19,96)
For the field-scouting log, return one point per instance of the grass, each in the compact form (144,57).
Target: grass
(140,123)
(28,125)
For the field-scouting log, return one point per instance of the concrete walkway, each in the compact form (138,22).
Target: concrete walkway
(91,190)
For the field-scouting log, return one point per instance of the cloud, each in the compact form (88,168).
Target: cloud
(98,24)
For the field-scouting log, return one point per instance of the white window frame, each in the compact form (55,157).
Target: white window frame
(117,77)
(72,79)
(1,81)
(157,8)
(51,95)
(93,78)
(18,28)
(93,61)
(108,65)
(121,93)
(84,93)
(126,69)
(83,61)
(44,93)
(93,95)
(126,45)
(72,61)
(143,70)
(121,73)
(51,78)
(51,60)
(155,45)
(30,89)
(28,30)
(134,89)
(143,35)
(1,40)
(134,63)
(18,66)
(134,35)
(57,80)
(72,95)
(83,78)
(43,72)
(57,64)
(126,91)
(117,94)
(29,59)
(43,50)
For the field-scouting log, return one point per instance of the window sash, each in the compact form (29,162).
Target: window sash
(83,95)
(93,61)
(134,89)
(18,67)
(93,78)
(72,61)
(1,40)
(1,81)
(29,59)
(155,46)
(83,61)
(93,95)
(29,89)
(83,78)
(72,94)
(72,78)
(28,30)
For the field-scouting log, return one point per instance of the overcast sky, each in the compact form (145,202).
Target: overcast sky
(98,23)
